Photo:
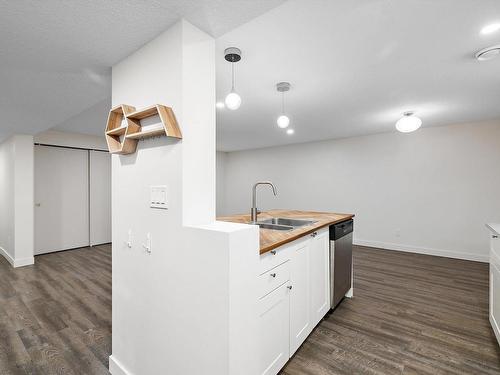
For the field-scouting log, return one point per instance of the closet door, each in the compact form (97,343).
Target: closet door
(100,198)
(61,199)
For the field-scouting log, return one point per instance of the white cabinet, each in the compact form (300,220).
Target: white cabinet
(495,285)
(295,295)
(319,271)
(300,320)
(274,330)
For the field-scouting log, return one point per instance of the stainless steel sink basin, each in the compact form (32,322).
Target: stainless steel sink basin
(295,223)
(274,226)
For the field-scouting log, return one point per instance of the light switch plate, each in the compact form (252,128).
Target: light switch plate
(159,197)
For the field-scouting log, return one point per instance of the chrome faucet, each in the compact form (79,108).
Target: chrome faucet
(255,211)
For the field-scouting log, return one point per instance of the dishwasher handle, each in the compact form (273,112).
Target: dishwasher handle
(342,229)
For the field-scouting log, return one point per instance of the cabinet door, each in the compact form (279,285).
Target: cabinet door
(319,271)
(495,299)
(274,332)
(300,321)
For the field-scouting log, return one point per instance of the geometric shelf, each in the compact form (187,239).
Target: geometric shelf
(123,139)
(115,130)
(168,126)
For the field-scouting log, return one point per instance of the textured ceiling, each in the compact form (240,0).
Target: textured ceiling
(356,66)
(55,55)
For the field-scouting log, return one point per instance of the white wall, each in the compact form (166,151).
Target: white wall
(220,182)
(69,139)
(431,191)
(177,310)
(7,198)
(17,200)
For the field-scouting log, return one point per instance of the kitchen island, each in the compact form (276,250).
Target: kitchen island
(293,280)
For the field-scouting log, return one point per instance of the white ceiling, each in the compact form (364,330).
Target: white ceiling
(355,66)
(55,55)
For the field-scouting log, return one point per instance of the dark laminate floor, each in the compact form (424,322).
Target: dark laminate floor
(55,317)
(412,314)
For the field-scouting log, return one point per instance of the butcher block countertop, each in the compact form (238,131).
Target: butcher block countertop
(271,239)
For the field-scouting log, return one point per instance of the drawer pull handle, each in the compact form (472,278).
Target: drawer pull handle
(289,287)
(494,236)
(272,275)
(273,252)
(314,234)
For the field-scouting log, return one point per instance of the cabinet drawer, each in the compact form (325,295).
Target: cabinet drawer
(495,252)
(279,255)
(495,261)
(273,278)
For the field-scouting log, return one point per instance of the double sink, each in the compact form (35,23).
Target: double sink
(283,223)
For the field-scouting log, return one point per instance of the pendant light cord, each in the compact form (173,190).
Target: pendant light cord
(283,102)
(232,75)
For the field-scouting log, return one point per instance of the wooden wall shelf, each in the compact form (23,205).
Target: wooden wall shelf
(123,139)
(115,131)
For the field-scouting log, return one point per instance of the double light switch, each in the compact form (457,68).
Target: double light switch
(158,197)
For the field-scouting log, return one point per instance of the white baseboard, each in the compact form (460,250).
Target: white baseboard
(17,262)
(24,262)
(7,256)
(116,368)
(424,250)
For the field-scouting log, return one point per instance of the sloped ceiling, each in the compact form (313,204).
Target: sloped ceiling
(56,55)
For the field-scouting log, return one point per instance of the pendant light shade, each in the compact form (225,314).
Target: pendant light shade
(283,120)
(408,123)
(233,100)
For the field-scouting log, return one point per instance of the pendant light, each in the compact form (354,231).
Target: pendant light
(408,123)
(283,121)
(233,100)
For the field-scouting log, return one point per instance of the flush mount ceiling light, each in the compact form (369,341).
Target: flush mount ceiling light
(408,123)
(491,28)
(488,53)
(283,121)
(233,55)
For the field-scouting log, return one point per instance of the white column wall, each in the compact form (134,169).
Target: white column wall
(17,200)
(7,207)
(173,309)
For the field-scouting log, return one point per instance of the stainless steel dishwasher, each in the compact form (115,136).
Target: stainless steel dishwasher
(340,260)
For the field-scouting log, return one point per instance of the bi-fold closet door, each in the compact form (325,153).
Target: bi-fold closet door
(100,197)
(72,198)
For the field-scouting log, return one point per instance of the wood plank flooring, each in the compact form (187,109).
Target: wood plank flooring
(55,316)
(411,314)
